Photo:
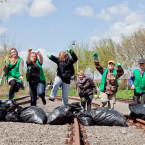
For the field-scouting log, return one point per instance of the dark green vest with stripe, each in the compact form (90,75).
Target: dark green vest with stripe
(14,72)
(41,74)
(139,81)
(103,80)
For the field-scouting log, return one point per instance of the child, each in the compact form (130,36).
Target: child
(65,70)
(86,88)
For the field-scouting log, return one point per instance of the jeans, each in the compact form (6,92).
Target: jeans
(65,90)
(37,89)
(88,100)
(137,97)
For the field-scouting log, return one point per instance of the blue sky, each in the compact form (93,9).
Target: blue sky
(53,24)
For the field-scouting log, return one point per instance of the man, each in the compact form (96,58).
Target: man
(109,81)
(137,82)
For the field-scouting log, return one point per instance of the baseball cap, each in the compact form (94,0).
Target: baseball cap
(111,61)
(141,61)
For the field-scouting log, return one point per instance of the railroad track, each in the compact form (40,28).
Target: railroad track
(76,133)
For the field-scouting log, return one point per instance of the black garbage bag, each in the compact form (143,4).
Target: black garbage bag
(12,117)
(107,117)
(85,118)
(33,114)
(137,111)
(3,112)
(3,101)
(60,115)
(75,107)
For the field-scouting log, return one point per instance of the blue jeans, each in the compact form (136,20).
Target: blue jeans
(37,89)
(65,90)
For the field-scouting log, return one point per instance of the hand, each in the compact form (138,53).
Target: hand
(69,50)
(132,87)
(38,52)
(1,81)
(95,97)
(49,55)
(30,50)
(95,55)
(118,64)
(83,99)
(21,78)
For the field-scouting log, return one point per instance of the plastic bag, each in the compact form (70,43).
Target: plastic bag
(3,112)
(60,115)
(137,111)
(33,114)
(85,118)
(13,117)
(107,117)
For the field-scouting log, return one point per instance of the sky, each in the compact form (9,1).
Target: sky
(51,25)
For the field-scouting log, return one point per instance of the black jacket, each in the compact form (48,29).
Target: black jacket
(65,68)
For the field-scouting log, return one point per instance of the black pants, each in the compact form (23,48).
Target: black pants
(88,101)
(15,86)
(137,97)
(36,89)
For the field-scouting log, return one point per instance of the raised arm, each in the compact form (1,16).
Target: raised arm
(21,66)
(119,70)
(29,54)
(73,55)
(40,57)
(53,58)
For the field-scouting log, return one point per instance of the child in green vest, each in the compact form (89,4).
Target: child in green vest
(137,82)
(13,71)
(35,76)
(109,81)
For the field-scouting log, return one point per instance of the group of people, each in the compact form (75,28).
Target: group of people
(86,88)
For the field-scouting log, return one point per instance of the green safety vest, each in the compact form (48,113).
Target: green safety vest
(13,70)
(41,74)
(139,81)
(103,80)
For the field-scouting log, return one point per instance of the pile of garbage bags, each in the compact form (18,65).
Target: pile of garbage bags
(61,115)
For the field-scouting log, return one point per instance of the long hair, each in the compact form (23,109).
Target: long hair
(11,59)
(63,56)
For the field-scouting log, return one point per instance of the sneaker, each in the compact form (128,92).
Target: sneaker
(9,102)
(51,99)
(43,100)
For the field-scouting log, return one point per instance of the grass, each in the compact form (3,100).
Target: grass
(120,94)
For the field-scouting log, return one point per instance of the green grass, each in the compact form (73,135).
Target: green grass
(120,94)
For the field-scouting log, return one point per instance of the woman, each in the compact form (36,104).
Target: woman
(13,71)
(65,70)
(35,76)
(86,88)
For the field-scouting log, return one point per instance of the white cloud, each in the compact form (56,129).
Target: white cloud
(41,8)
(35,8)
(13,7)
(85,11)
(2,30)
(114,12)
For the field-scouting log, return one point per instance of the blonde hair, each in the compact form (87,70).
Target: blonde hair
(80,72)
(10,58)
(62,55)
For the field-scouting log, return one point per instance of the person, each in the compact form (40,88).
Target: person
(86,88)
(65,70)
(137,82)
(109,81)
(13,71)
(35,76)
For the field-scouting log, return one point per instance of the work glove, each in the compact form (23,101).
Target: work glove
(95,96)
(95,55)
(69,50)
(1,82)
(49,55)
(118,64)
(83,99)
